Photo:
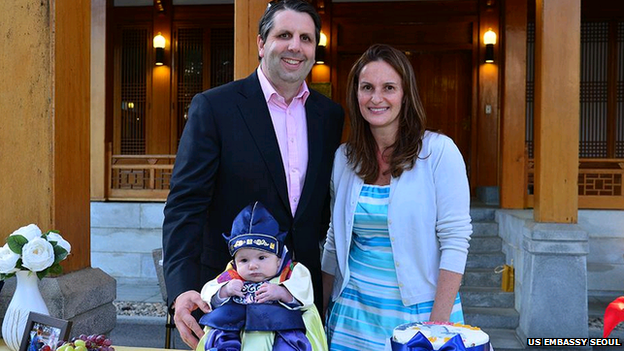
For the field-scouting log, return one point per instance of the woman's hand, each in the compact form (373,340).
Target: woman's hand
(273,292)
(328,285)
(446,292)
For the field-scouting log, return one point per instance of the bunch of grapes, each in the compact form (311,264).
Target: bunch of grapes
(83,342)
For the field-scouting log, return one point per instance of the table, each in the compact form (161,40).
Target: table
(3,347)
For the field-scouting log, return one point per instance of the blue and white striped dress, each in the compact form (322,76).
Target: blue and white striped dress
(370,307)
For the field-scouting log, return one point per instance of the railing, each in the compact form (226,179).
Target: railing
(600,183)
(146,178)
(140,177)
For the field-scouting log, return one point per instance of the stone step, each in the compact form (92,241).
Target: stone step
(485,260)
(144,332)
(596,309)
(481,244)
(483,277)
(593,333)
(504,339)
(598,333)
(150,332)
(484,229)
(486,297)
(127,215)
(492,317)
(482,213)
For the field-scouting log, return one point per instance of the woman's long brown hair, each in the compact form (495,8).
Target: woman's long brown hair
(361,147)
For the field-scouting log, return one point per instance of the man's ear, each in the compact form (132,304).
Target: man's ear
(260,43)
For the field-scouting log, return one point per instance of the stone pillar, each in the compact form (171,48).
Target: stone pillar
(551,274)
(44,151)
(554,300)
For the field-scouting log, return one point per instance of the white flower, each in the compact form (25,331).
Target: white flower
(8,259)
(30,232)
(37,255)
(52,236)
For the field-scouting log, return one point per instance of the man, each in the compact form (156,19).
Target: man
(264,138)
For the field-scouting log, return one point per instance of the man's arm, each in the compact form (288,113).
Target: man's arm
(186,209)
(190,194)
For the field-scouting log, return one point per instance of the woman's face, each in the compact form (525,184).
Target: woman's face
(380,94)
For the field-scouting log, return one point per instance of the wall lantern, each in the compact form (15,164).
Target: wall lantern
(320,49)
(489,39)
(159,45)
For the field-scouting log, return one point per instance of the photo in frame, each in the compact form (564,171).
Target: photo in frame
(42,330)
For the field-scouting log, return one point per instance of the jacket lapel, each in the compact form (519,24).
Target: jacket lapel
(314,122)
(255,113)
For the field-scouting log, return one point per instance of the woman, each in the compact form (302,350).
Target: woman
(397,244)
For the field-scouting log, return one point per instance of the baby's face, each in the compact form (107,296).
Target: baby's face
(256,265)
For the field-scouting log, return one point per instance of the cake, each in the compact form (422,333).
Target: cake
(439,334)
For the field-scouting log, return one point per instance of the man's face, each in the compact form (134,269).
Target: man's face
(288,53)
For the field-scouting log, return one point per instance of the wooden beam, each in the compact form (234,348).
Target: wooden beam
(513,119)
(488,116)
(557,108)
(70,128)
(247,13)
(98,100)
(45,141)
(26,107)
(612,77)
(158,123)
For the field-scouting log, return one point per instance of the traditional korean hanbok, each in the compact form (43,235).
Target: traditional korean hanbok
(240,323)
(268,326)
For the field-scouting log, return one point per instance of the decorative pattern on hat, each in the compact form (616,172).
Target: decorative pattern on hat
(255,228)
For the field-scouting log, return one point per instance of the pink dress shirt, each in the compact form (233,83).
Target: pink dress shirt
(289,122)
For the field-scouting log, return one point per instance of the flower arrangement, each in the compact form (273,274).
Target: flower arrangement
(28,249)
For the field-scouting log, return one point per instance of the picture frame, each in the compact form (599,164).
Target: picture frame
(42,330)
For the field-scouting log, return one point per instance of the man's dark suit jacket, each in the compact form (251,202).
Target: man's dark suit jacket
(229,157)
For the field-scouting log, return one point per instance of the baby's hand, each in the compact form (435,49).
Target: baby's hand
(273,292)
(233,288)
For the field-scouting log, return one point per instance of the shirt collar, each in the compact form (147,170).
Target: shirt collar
(269,91)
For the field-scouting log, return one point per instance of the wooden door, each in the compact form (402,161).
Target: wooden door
(444,80)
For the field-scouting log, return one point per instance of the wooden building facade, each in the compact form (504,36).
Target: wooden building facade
(506,116)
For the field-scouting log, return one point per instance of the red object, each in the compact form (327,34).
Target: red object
(614,314)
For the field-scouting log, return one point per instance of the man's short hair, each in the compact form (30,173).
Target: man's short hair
(267,19)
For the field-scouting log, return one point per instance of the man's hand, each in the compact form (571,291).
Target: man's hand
(189,329)
(273,292)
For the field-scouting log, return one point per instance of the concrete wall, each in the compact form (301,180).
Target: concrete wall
(510,224)
(551,274)
(123,235)
(605,261)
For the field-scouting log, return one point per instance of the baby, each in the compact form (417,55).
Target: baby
(264,300)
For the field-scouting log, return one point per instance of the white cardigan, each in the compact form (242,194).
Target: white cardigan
(428,219)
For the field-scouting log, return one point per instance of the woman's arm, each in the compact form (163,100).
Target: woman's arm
(328,283)
(453,226)
(446,292)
